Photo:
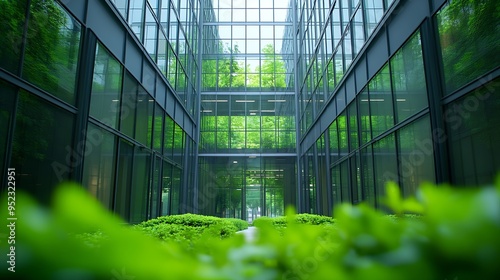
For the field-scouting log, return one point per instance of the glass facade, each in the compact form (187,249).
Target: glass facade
(71,109)
(247,107)
(239,108)
(390,128)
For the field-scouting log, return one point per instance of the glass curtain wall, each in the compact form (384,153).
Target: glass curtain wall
(43,50)
(363,156)
(329,40)
(246,187)
(247,100)
(385,133)
(169,31)
(132,153)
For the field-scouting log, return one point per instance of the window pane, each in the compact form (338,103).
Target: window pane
(144,122)
(469,40)
(139,199)
(364,115)
(7,103)
(178,144)
(385,164)
(358,33)
(151,34)
(336,186)
(343,134)
(128,105)
(367,175)
(158,129)
(135,17)
(99,165)
(473,123)
(39,152)
(166,188)
(416,156)
(353,127)
(381,110)
(408,79)
(168,137)
(106,87)
(176,190)
(52,50)
(374,10)
(334,142)
(124,180)
(12,17)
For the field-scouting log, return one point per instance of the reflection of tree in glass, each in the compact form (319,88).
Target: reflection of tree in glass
(272,71)
(12,17)
(469,39)
(225,71)
(52,49)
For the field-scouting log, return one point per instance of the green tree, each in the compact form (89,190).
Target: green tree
(272,69)
(469,40)
(223,70)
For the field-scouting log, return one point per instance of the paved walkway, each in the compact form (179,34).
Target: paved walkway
(250,233)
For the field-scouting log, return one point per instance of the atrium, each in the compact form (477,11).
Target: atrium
(238,109)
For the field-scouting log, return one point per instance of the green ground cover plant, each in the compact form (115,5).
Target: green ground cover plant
(455,236)
(189,228)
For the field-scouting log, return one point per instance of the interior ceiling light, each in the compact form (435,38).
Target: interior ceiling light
(373,100)
(211,100)
(244,101)
(276,100)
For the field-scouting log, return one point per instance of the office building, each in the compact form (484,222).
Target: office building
(239,108)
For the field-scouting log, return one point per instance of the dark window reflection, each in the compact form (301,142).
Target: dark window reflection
(99,164)
(473,123)
(42,139)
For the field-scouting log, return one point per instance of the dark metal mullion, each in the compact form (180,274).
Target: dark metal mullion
(394,113)
(328,170)
(83,97)
(434,77)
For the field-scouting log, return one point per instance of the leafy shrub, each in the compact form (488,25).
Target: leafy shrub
(239,224)
(187,228)
(455,236)
(282,222)
(192,220)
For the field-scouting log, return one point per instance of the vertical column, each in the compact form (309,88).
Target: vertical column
(84,88)
(433,73)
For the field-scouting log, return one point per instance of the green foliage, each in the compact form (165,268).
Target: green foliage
(304,218)
(455,237)
(469,40)
(225,70)
(239,224)
(190,228)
